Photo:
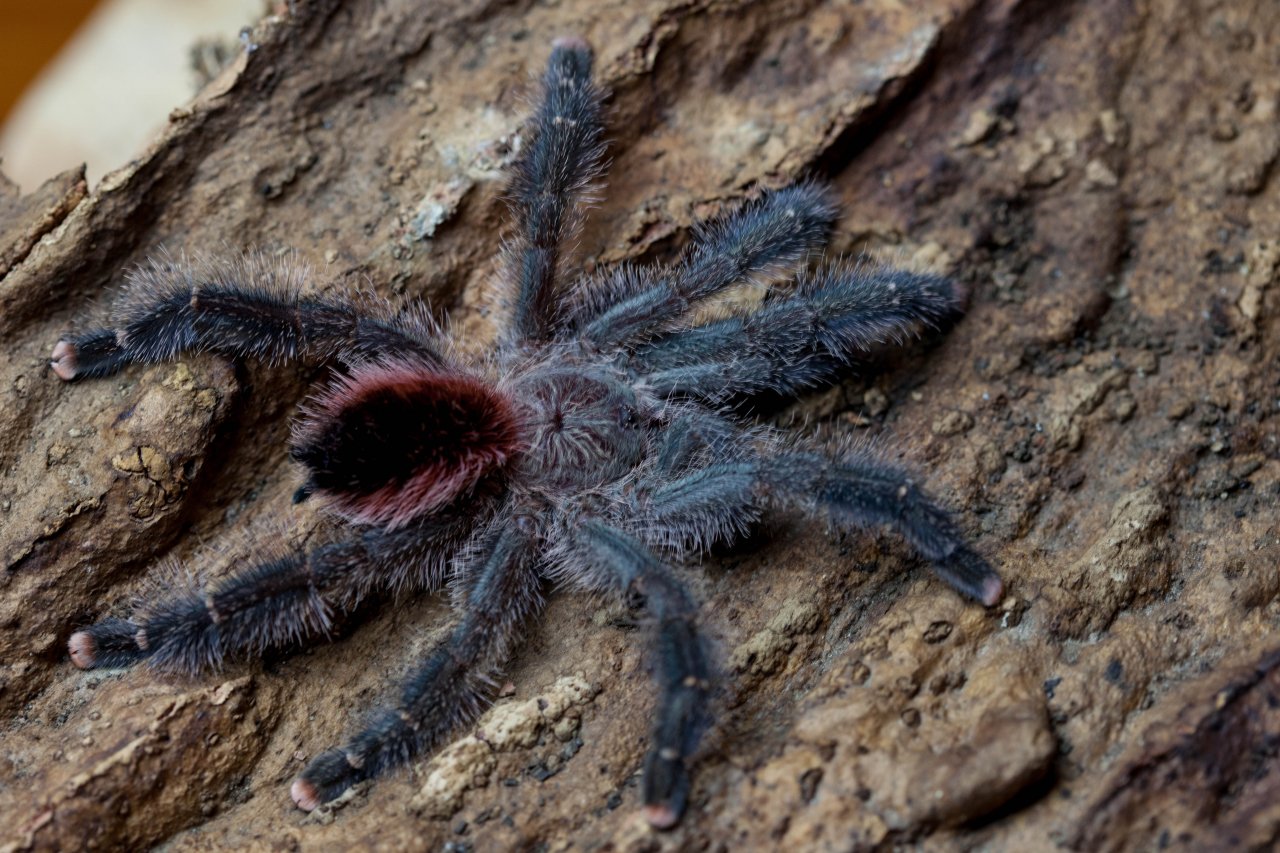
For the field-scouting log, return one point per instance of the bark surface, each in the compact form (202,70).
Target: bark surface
(1104,421)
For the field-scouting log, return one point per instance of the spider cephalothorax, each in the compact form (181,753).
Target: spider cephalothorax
(595,448)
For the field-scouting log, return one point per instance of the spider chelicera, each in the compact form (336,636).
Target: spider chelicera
(599,447)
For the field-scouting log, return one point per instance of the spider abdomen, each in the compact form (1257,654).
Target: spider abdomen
(394,441)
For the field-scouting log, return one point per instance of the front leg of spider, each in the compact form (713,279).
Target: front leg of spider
(593,449)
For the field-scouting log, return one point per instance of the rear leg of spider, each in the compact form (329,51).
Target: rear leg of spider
(274,604)
(452,685)
(246,309)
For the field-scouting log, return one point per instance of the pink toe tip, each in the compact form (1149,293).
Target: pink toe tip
(304,795)
(82,650)
(992,590)
(63,361)
(661,815)
(570,43)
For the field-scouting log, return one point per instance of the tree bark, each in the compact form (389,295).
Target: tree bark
(1104,421)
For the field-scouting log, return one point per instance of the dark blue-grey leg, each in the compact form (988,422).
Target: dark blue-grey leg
(452,684)
(563,156)
(275,604)
(800,340)
(682,668)
(696,437)
(718,501)
(245,309)
(763,237)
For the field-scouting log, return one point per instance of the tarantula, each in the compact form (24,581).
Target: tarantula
(599,448)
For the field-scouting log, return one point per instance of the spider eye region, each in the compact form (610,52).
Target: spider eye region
(395,441)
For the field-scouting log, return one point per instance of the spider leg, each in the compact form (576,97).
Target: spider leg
(245,309)
(683,671)
(694,434)
(275,603)
(859,490)
(801,340)
(774,232)
(563,157)
(452,684)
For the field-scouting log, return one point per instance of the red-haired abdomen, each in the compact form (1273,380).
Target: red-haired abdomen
(395,441)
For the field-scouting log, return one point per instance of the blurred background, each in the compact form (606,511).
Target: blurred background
(91,81)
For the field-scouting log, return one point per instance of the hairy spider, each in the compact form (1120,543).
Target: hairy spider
(596,449)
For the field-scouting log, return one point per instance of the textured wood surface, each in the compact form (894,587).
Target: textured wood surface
(1104,421)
